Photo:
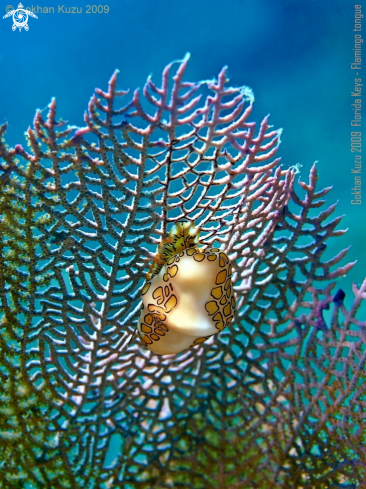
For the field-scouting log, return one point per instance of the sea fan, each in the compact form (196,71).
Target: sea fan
(275,400)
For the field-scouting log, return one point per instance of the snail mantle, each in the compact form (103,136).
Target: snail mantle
(188,295)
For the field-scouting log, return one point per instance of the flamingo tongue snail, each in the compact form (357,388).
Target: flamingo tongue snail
(188,294)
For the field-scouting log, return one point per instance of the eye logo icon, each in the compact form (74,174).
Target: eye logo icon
(20,17)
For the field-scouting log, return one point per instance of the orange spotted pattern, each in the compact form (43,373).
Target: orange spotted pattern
(153,319)
(221,308)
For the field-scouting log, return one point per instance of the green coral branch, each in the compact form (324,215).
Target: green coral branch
(29,452)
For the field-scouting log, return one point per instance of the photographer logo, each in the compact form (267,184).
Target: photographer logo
(20,17)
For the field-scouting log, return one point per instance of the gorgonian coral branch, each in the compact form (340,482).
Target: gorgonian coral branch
(109,192)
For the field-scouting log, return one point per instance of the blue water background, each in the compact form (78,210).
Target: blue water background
(295,54)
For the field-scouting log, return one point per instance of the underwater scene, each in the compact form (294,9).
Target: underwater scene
(182,257)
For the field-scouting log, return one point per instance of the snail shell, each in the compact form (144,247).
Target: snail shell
(187,298)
